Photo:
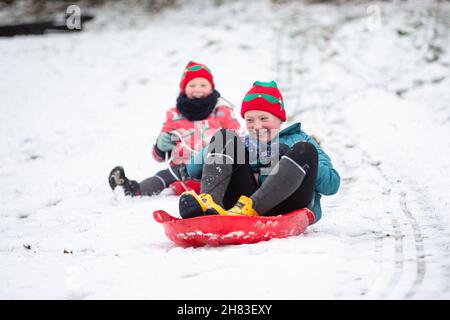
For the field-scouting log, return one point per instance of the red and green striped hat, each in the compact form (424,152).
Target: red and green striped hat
(195,70)
(264,96)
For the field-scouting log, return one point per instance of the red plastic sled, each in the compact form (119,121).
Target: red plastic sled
(219,230)
(181,186)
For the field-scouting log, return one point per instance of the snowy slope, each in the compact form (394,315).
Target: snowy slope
(74,106)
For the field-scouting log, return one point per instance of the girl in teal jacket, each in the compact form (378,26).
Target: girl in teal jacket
(268,172)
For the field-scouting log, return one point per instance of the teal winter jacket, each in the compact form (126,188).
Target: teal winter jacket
(328,179)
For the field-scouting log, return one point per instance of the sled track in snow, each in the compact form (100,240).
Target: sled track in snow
(420,251)
(408,264)
(409,258)
(415,240)
(400,252)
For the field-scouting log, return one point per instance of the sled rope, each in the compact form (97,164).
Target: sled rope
(185,145)
(168,160)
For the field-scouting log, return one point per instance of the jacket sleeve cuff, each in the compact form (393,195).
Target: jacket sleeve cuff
(158,154)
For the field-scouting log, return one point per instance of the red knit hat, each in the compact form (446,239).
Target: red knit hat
(195,70)
(264,96)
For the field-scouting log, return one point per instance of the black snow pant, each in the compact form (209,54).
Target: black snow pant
(243,182)
(163,179)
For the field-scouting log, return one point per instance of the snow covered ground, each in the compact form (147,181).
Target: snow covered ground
(371,79)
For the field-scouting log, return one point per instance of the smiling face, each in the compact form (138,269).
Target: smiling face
(198,88)
(262,124)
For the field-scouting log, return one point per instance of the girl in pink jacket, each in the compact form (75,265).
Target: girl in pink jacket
(199,113)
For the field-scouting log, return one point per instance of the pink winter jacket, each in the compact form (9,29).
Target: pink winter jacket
(194,135)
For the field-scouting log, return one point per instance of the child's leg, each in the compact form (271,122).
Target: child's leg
(226,174)
(152,186)
(292,187)
(242,182)
(163,179)
(148,187)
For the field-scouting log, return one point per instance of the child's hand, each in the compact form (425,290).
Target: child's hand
(273,154)
(166,141)
(280,149)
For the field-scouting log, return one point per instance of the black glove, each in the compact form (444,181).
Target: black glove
(283,149)
(273,153)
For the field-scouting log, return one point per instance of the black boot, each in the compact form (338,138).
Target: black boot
(117,178)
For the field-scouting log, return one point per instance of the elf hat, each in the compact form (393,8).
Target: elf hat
(264,96)
(195,70)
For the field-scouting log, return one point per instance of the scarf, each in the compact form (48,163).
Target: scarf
(197,108)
